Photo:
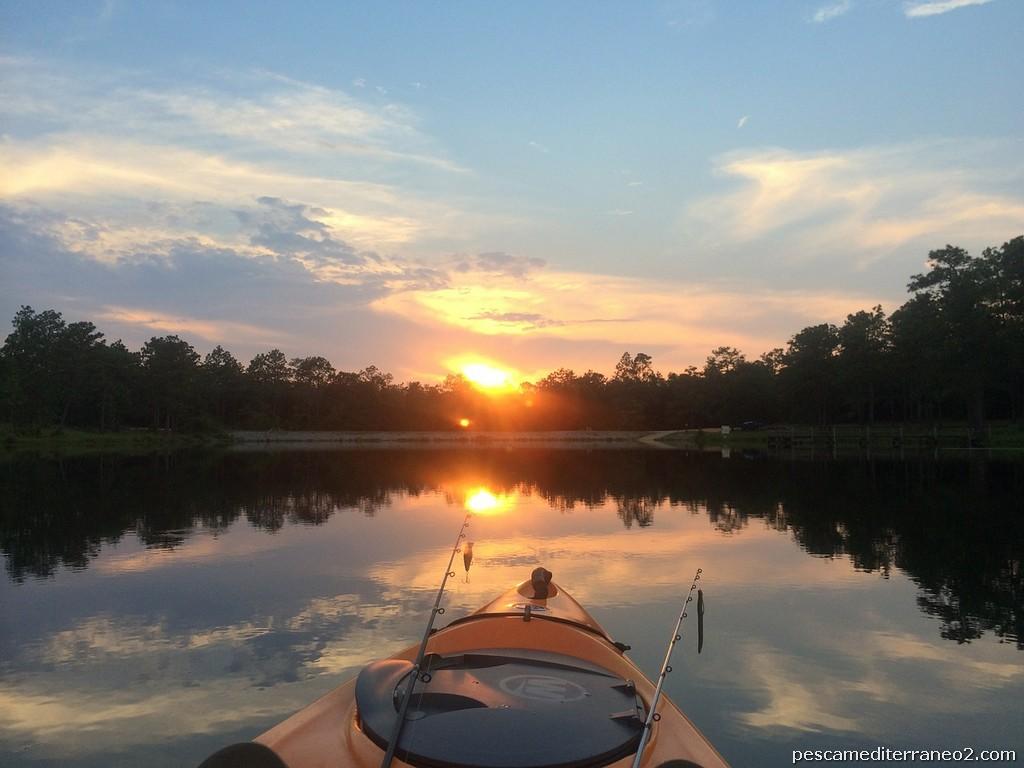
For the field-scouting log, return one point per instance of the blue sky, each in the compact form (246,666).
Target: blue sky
(536,184)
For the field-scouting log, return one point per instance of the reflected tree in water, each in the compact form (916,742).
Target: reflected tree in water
(636,510)
(954,527)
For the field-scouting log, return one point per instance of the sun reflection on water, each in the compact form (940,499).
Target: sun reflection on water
(481,501)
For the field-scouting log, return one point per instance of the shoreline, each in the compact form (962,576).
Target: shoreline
(842,439)
(242,437)
(65,442)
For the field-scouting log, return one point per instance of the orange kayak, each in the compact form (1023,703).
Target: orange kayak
(523,682)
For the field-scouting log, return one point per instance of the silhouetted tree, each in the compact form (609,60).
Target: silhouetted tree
(119,375)
(810,372)
(961,287)
(169,366)
(311,375)
(269,375)
(314,372)
(31,353)
(222,384)
(917,356)
(269,368)
(636,368)
(723,360)
(864,342)
(1006,270)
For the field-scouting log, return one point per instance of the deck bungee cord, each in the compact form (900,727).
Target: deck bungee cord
(414,674)
(666,666)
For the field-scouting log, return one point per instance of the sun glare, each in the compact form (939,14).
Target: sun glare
(480,501)
(464,423)
(489,377)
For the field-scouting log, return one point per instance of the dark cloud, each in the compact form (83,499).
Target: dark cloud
(414,277)
(185,275)
(244,294)
(182,273)
(290,230)
(499,263)
(287,229)
(515,318)
(186,278)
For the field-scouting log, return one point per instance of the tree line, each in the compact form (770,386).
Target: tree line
(954,350)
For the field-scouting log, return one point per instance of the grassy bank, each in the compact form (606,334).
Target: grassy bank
(999,436)
(1002,436)
(78,442)
(1010,437)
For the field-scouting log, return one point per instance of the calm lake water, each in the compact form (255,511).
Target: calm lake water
(153,609)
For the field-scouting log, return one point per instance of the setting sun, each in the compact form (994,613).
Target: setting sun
(464,423)
(488,377)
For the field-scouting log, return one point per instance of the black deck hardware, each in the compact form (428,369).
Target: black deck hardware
(700,620)
(503,708)
(247,754)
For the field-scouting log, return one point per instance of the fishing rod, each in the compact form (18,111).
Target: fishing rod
(652,714)
(414,675)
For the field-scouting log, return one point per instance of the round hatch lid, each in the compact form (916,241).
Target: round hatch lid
(513,709)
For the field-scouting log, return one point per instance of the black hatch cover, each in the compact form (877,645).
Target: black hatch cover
(502,709)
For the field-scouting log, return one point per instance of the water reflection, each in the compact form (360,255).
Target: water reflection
(163,603)
(482,502)
(954,528)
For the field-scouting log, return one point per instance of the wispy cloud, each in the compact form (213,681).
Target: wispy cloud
(916,10)
(246,111)
(865,202)
(831,11)
(89,175)
(100,147)
(538,146)
(689,13)
(683,319)
(742,121)
(301,117)
(158,323)
(107,10)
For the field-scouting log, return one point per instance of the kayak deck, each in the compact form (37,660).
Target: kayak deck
(523,682)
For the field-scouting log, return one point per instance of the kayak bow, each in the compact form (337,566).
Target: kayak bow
(530,680)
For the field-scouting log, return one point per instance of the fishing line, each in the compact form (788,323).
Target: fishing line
(652,714)
(415,673)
